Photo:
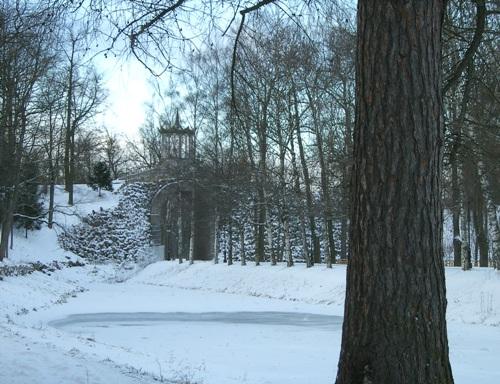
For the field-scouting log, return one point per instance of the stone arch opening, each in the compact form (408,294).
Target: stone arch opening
(181,222)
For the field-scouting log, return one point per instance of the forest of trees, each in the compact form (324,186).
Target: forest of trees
(274,116)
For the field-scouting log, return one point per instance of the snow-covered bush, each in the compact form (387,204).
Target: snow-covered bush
(118,234)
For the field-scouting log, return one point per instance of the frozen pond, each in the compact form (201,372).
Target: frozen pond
(220,347)
(105,320)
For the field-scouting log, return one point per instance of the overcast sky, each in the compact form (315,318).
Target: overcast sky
(127,84)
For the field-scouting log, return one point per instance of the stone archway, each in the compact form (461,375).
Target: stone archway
(175,218)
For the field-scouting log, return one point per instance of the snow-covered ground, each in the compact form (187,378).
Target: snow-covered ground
(204,323)
(42,245)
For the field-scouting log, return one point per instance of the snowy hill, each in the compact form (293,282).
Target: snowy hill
(42,245)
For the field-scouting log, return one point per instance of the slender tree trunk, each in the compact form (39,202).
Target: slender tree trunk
(269,231)
(466,244)
(15,178)
(495,234)
(180,230)
(167,232)
(230,243)
(343,237)
(52,174)
(69,132)
(216,237)
(5,232)
(455,193)
(394,326)
(192,229)
(476,206)
(325,188)
(481,236)
(281,245)
(284,205)
(50,219)
(261,177)
(344,191)
(261,226)
(242,246)
(307,185)
(347,169)
(454,160)
(302,221)
(71,172)
(224,251)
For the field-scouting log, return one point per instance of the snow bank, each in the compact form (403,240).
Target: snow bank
(42,363)
(317,285)
(42,245)
(473,296)
(20,295)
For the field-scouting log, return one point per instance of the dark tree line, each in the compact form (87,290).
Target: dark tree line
(472,156)
(49,95)
(286,121)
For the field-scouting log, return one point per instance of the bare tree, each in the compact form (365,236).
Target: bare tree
(26,39)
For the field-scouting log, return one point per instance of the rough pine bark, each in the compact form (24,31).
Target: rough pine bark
(394,327)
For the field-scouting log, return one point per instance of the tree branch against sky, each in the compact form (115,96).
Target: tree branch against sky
(156,34)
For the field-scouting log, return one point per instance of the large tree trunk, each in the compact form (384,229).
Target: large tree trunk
(394,327)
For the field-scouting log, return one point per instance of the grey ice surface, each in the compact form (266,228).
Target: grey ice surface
(151,318)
